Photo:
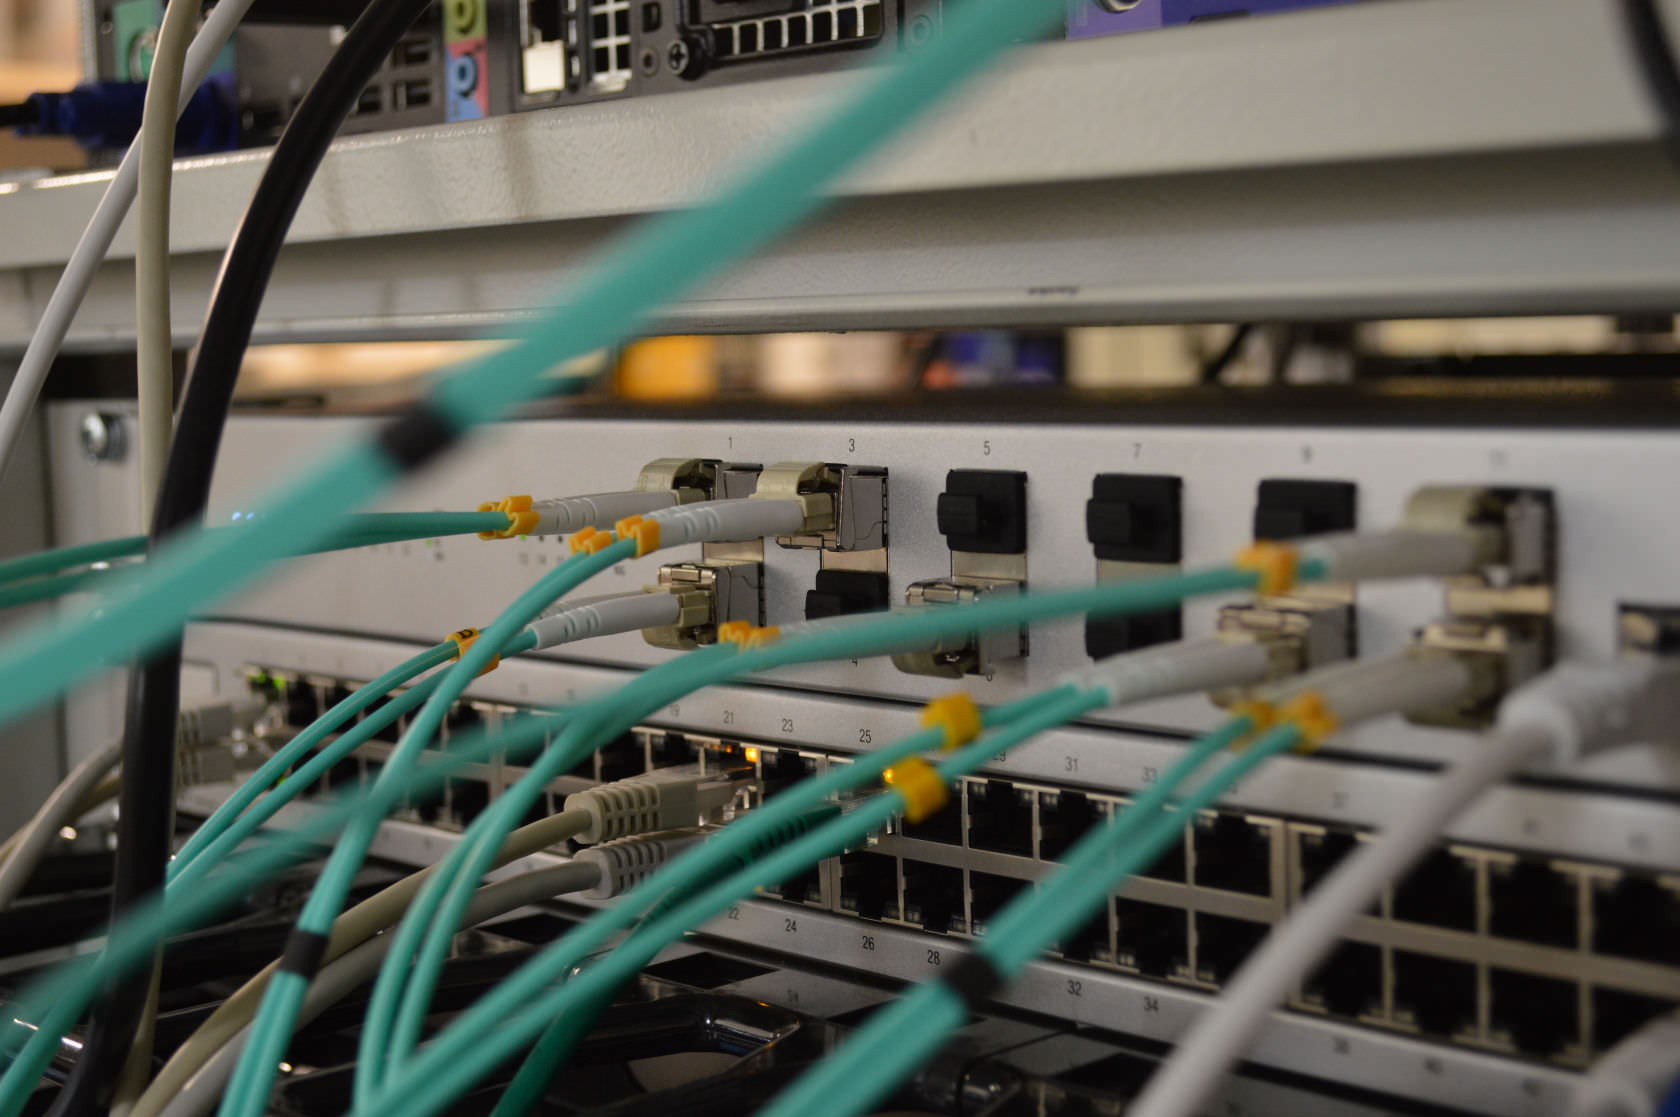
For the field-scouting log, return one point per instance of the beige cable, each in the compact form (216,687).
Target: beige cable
(154,341)
(360,923)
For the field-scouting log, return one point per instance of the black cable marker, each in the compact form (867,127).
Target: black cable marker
(1655,52)
(146,805)
(418,435)
(974,979)
(303,953)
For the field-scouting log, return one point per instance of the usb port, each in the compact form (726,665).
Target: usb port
(413,94)
(412,52)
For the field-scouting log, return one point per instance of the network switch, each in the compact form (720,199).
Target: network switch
(1547,892)
(1477,986)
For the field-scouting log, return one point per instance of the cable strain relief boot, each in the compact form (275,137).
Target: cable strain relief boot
(627,862)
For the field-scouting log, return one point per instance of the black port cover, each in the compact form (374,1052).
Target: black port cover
(1134,517)
(1112,635)
(984,511)
(840,592)
(1293,509)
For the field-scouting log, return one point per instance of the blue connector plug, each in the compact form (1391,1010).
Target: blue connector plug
(106,115)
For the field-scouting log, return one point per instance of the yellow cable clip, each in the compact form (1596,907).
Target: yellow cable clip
(591,540)
(758,637)
(1312,715)
(644,532)
(733,632)
(1261,716)
(956,715)
(925,794)
(464,639)
(520,517)
(1276,563)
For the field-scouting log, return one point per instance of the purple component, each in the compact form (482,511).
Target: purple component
(1175,12)
(1087,20)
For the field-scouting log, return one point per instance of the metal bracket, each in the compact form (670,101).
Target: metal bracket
(708,594)
(845,505)
(974,653)
(691,479)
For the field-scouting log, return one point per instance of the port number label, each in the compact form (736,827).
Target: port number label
(933,958)
(868,942)
(986,448)
(1150,774)
(1070,764)
(851,444)
(1341,1045)
(791,926)
(734,911)
(1075,988)
(787,725)
(1152,1005)
(729,717)
(466,19)
(865,737)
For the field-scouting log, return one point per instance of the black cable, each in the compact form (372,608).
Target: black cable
(1654,51)
(1215,368)
(19,115)
(146,804)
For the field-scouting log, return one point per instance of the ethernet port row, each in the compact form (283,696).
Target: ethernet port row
(1319,851)
(802,888)
(462,718)
(621,758)
(1439,892)
(1000,818)
(1234,854)
(1350,981)
(780,769)
(1541,1015)
(933,896)
(1152,939)
(467,800)
(869,885)
(1089,943)
(987,893)
(1064,817)
(303,703)
(1438,995)
(671,750)
(1617,1015)
(1172,864)
(1637,916)
(1532,901)
(1223,944)
(943,826)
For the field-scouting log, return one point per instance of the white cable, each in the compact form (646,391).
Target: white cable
(1355,556)
(728,521)
(604,616)
(154,348)
(1183,667)
(664,799)
(598,510)
(363,922)
(59,809)
(1636,1076)
(627,862)
(340,977)
(1361,689)
(1565,713)
(96,239)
